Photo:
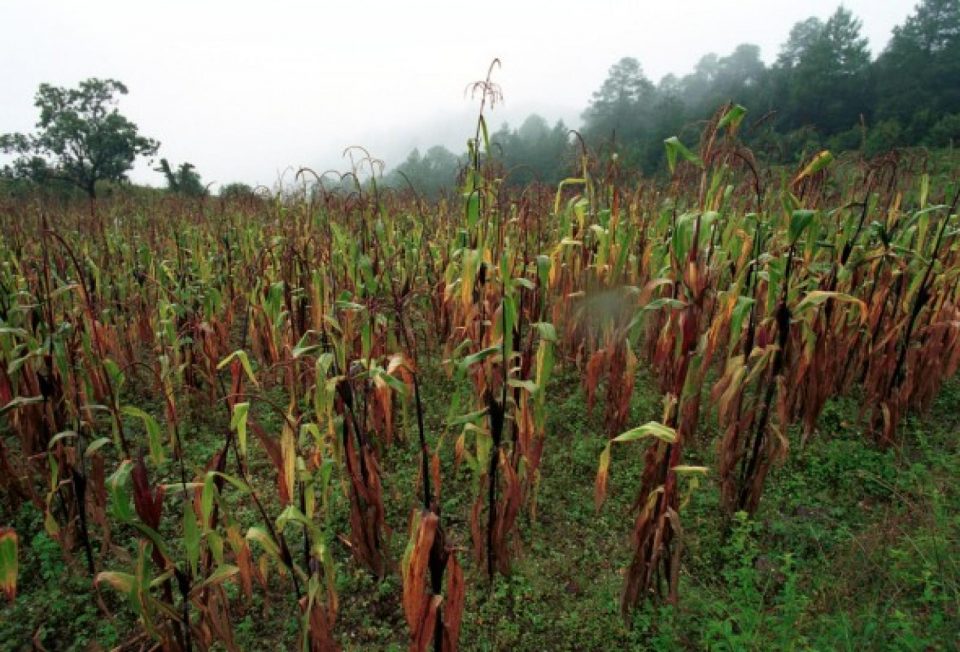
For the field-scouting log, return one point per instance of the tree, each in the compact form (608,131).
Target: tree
(919,71)
(802,37)
(717,80)
(621,109)
(430,174)
(696,87)
(236,191)
(946,132)
(81,138)
(534,152)
(824,74)
(740,70)
(182,181)
(616,104)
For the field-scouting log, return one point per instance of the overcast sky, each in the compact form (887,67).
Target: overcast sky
(244,90)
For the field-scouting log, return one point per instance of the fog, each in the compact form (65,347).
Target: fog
(246,90)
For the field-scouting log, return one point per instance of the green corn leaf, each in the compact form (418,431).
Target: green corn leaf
(485,133)
(118,488)
(207,497)
(479,356)
(238,422)
(223,573)
(817,163)
(467,418)
(473,209)
(543,270)
(732,118)
(528,385)
(154,435)
(524,283)
(261,536)
(665,302)
(546,330)
(96,445)
(191,536)
(61,436)
(302,348)
(8,562)
(740,312)
(649,429)
(154,537)
(241,355)
(800,220)
(674,148)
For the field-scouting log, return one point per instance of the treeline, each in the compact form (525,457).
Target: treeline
(824,90)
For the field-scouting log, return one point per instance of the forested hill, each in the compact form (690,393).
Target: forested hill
(824,90)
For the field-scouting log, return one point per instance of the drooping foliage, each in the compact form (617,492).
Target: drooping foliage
(302,329)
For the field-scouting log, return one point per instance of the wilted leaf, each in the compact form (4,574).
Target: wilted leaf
(684,469)
(817,297)
(603,476)
(20,402)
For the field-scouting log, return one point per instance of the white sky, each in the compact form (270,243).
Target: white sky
(244,90)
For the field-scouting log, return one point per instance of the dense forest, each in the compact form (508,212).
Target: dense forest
(824,90)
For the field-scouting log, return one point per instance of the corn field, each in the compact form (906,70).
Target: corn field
(306,329)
